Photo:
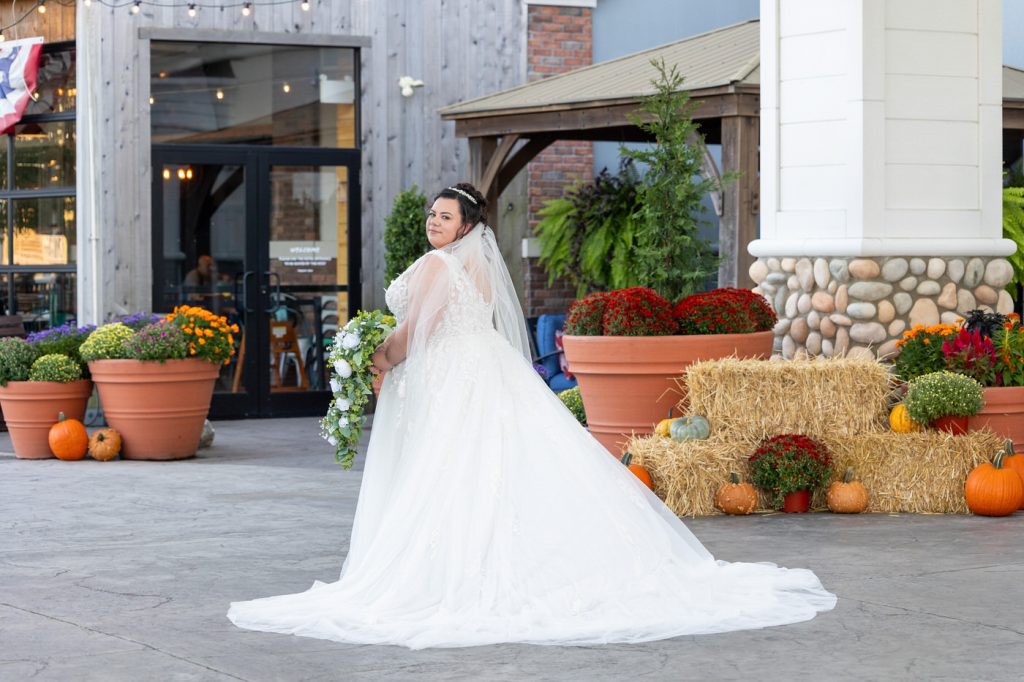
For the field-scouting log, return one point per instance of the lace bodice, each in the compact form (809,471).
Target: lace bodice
(467,311)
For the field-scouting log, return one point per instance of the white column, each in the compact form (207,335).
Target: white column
(881,128)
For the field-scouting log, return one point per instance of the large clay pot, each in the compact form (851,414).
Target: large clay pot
(628,383)
(1003,413)
(32,407)
(159,408)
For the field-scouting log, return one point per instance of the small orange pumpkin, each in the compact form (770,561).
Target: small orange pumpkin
(638,471)
(104,445)
(992,489)
(68,439)
(735,497)
(1015,462)
(847,496)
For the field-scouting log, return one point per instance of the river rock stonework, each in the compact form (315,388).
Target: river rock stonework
(861,306)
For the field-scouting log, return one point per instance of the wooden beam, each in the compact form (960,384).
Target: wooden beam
(521,157)
(741,203)
(490,174)
(481,149)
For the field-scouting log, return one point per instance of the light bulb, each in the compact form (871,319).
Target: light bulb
(42,7)
(151,100)
(305,5)
(220,94)
(167,173)
(181,173)
(188,174)
(137,6)
(286,87)
(246,9)
(191,9)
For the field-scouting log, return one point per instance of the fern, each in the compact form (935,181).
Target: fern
(1013,229)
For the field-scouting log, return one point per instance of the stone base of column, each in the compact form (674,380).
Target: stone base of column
(836,305)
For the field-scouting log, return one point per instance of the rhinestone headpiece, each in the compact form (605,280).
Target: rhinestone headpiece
(464,193)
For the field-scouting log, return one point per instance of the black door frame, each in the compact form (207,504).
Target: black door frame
(255,291)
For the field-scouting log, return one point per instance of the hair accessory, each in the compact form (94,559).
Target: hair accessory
(464,193)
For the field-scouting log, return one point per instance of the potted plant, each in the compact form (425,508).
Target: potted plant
(405,240)
(39,379)
(155,384)
(628,347)
(943,400)
(791,465)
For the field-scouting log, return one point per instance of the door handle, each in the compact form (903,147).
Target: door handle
(276,300)
(244,278)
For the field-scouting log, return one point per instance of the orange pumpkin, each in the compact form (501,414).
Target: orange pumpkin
(68,439)
(1015,462)
(104,445)
(638,471)
(992,489)
(847,496)
(735,497)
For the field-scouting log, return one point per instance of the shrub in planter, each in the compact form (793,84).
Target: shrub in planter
(16,358)
(942,394)
(638,311)
(161,341)
(790,462)
(106,342)
(724,311)
(405,236)
(586,315)
(63,340)
(572,399)
(55,367)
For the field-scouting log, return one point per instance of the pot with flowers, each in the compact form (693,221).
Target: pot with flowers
(40,378)
(791,465)
(155,383)
(628,347)
(943,400)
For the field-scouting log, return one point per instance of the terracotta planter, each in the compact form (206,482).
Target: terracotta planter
(159,408)
(1003,413)
(628,383)
(954,425)
(32,407)
(796,502)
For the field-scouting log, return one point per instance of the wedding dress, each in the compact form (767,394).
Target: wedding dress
(488,514)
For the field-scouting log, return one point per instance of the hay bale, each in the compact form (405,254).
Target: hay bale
(916,472)
(756,399)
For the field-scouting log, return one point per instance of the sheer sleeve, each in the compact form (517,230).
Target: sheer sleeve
(430,294)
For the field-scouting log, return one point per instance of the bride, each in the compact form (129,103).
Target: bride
(488,514)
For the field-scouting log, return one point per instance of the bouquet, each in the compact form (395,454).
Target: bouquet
(351,381)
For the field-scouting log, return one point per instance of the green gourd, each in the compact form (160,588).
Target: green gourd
(693,427)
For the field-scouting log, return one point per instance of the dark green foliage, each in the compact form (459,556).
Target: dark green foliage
(671,258)
(1013,229)
(587,236)
(16,358)
(405,234)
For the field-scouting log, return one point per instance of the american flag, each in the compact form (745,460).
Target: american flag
(19,63)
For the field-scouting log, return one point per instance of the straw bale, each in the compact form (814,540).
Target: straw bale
(916,472)
(756,399)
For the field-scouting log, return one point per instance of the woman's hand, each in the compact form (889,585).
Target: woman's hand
(380,360)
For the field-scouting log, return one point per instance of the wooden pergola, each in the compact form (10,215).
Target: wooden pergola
(508,129)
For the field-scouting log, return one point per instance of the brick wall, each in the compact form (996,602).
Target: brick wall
(559,39)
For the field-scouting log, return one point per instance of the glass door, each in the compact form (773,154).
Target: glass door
(268,238)
(203,255)
(312,255)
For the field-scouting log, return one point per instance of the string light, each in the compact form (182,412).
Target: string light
(41,7)
(287,88)
(305,5)
(191,9)
(220,94)
(246,9)
(87,3)
(137,7)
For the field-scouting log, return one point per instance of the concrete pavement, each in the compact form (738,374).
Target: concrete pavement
(124,570)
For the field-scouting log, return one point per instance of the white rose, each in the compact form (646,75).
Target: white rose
(350,341)
(335,385)
(343,369)
(342,404)
(332,440)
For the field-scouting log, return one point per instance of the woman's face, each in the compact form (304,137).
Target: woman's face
(444,222)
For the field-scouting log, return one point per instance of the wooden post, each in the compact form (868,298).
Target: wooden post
(738,224)
(481,150)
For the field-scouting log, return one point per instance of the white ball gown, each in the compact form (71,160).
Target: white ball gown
(487,514)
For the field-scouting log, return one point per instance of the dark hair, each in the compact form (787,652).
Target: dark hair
(471,213)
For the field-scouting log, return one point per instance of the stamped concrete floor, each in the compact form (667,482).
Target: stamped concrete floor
(124,570)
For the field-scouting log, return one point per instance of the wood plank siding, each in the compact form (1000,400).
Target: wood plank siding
(459,48)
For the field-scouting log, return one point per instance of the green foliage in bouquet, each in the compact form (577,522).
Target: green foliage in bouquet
(351,381)
(572,399)
(55,367)
(106,343)
(16,358)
